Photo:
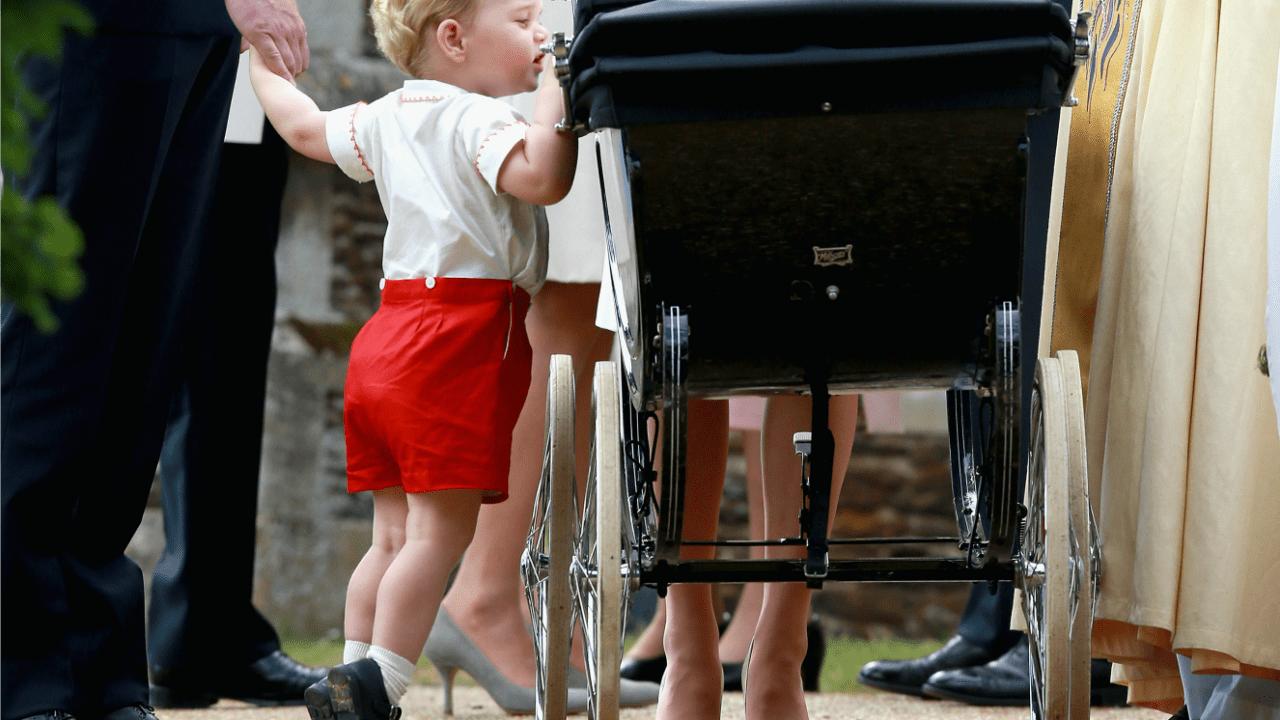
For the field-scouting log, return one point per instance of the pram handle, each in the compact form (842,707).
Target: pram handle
(558,49)
(1079,55)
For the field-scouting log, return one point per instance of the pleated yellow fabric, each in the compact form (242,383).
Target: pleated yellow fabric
(1183,444)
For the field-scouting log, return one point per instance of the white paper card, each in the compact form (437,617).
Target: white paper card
(244,124)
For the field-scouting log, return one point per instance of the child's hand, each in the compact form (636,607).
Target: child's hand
(258,65)
(293,114)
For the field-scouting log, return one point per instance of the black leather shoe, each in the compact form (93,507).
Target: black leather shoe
(909,676)
(276,679)
(1007,681)
(1181,714)
(356,692)
(646,669)
(1003,681)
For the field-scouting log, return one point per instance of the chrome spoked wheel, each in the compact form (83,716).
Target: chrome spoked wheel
(600,586)
(549,548)
(1044,565)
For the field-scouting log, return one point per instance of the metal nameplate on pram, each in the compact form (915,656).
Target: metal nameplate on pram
(823,257)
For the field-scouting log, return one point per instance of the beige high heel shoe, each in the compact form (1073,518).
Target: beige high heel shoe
(450,650)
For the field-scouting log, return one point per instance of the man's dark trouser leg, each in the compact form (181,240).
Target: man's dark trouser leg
(130,147)
(201,618)
(985,622)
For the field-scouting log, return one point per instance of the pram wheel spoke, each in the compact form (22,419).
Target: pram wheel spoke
(600,589)
(545,563)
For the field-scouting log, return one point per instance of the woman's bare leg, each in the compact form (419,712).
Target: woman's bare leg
(649,644)
(693,683)
(737,636)
(773,689)
(486,599)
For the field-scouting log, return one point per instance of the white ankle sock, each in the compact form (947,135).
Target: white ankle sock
(354,650)
(397,672)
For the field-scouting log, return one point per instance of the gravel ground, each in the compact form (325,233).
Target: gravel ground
(472,703)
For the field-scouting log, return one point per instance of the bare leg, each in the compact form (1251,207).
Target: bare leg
(486,599)
(390,510)
(774,687)
(437,530)
(693,683)
(649,644)
(736,637)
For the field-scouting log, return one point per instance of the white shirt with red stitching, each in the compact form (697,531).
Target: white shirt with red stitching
(434,151)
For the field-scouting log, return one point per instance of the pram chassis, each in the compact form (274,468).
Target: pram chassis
(646,394)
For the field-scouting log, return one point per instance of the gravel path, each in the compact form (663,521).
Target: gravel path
(471,703)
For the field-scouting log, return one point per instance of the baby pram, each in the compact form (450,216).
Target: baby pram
(821,196)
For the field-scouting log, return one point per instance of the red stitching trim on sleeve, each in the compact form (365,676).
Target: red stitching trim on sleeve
(355,145)
(491,135)
(406,98)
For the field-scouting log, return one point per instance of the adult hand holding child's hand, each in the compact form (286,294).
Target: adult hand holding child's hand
(275,30)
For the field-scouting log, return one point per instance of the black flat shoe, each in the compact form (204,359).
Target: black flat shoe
(273,680)
(1003,681)
(644,669)
(909,676)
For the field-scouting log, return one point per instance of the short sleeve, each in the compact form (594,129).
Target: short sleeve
(347,142)
(490,130)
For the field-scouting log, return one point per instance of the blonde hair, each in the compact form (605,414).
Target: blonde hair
(402,27)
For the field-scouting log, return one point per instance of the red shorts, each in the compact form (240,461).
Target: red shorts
(436,381)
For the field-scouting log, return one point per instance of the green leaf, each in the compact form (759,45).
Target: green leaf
(39,243)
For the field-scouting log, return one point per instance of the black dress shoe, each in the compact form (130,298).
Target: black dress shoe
(276,679)
(909,676)
(1181,714)
(1003,681)
(645,669)
(1007,681)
